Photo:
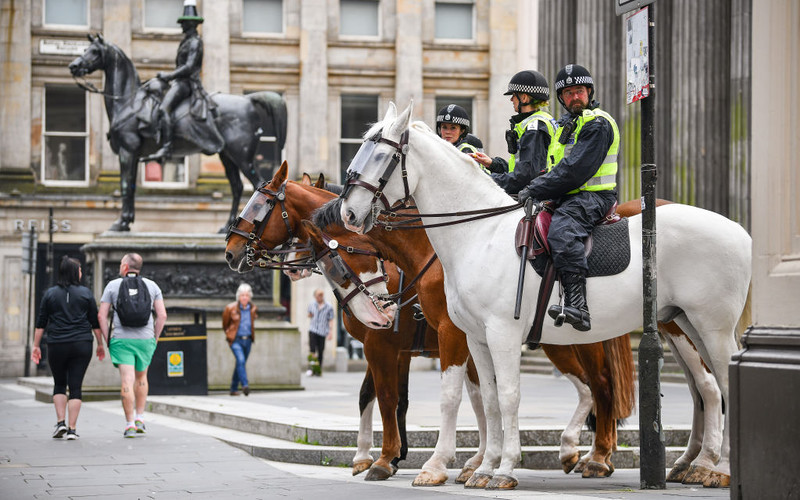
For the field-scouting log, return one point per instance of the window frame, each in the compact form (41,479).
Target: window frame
(143,182)
(471,40)
(266,34)
(45,134)
(67,27)
(160,29)
(353,140)
(379,22)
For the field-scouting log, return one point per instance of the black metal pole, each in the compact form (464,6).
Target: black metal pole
(51,275)
(652,474)
(31,272)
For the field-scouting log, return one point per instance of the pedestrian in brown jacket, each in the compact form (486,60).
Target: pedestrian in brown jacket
(238,322)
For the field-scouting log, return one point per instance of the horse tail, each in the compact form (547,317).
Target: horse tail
(619,362)
(273,105)
(746,319)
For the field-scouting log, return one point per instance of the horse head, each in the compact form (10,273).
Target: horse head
(358,278)
(369,176)
(92,59)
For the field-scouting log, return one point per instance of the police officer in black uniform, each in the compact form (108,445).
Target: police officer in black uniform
(184,80)
(529,136)
(581,178)
(453,125)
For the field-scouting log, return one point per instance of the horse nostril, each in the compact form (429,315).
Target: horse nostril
(351,216)
(229,256)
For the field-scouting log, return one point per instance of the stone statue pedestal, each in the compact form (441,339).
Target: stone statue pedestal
(191,271)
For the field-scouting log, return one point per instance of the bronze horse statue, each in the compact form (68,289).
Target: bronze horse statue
(241,120)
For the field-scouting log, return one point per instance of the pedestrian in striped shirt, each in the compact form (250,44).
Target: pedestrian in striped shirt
(321,328)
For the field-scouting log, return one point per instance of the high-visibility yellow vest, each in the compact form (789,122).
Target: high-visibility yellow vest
(606,177)
(519,129)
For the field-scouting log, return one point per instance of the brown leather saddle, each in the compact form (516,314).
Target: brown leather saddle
(533,235)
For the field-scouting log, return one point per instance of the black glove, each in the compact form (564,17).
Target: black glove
(498,167)
(524,195)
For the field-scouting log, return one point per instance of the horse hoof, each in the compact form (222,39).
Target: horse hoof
(717,480)
(466,473)
(378,473)
(429,478)
(361,466)
(571,463)
(478,480)
(596,469)
(696,474)
(501,482)
(677,473)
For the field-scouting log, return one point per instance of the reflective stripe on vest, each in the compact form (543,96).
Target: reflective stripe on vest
(521,127)
(605,178)
(468,148)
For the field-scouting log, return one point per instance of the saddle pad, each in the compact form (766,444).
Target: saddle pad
(611,249)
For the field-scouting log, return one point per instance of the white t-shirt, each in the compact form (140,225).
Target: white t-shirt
(130,332)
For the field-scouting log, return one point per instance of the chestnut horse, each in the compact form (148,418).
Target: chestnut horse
(565,358)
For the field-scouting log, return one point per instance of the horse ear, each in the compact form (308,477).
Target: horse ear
(90,37)
(402,121)
(280,174)
(320,182)
(391,113)
(306,181)
(100,38)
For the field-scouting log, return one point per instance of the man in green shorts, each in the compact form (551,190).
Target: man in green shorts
(133,341)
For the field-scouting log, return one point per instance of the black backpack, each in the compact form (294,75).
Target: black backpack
(133,302)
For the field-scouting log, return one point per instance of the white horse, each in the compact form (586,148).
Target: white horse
(704,263)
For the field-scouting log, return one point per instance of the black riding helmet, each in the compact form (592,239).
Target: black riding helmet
(572,75)
(529,82)
(453,113)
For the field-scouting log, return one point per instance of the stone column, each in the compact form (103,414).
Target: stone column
(216,47)
(313,129)
(765,375)
(15,86)
(408,56)
(117,19)
(502,66)
(556,41)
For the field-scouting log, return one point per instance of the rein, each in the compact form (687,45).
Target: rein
(411,222)
(89,87)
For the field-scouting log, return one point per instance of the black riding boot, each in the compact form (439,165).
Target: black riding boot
(575,310)
(166,139)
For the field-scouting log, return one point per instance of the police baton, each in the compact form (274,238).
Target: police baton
(527,228)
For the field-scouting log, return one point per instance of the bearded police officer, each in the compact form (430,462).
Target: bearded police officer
(453,125)
(581,178)
(529,137)
(184,80)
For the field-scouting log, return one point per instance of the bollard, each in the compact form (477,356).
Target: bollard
(341,359)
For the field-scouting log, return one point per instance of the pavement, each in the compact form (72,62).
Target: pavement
(184,456)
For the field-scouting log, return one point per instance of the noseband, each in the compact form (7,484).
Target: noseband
(399,156)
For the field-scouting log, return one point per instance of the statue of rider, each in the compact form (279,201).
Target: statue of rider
(184,80)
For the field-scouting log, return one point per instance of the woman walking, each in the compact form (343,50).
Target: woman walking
(238,323)
(68,314)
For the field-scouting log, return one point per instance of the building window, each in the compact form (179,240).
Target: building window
(464,102)
(358,113)
(66,13)
(358,18)
(262,16)
(64,141)
(454,20)
(162,14)
(172,174)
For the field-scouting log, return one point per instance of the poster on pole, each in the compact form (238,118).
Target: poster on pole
(637,50)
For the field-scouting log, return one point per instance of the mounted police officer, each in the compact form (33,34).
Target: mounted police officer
(581,178)
(529,137)
(453,125)
(184,80)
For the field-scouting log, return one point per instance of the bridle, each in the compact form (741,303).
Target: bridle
(339,273)
(258,212)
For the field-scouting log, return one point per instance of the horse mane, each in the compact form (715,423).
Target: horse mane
(328,214)
(334,188)
(122,56)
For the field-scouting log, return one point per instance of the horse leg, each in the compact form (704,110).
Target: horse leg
(592,359)
(128,168)
(474,393)
(718,347)
(232,173)
(494,425)
(564,358)
(505,354)
(366,403)
(403,367)
(705,440)
(383,364)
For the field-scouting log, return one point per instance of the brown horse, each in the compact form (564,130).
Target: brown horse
(276,231)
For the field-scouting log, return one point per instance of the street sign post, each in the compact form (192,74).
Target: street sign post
(29,242)
(641,86)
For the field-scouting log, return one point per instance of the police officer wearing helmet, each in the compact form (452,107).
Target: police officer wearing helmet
(529,137)
(581,178)
(452,125)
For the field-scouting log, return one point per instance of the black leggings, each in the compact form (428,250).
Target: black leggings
(68,362)
(316,345)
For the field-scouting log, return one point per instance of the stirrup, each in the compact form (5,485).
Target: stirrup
(559,321)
